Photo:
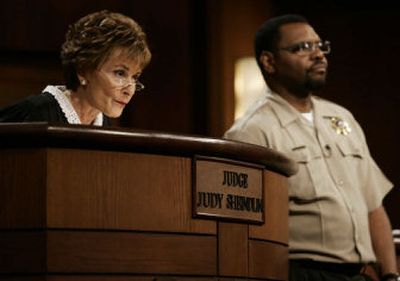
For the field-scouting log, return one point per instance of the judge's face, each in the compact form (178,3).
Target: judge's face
(110,87)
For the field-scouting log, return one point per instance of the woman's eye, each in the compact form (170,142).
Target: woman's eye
(120,73)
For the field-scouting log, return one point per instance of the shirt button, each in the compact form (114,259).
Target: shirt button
(340,182)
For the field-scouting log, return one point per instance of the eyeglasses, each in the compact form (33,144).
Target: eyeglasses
(120,79)
(126,81)
(306,48)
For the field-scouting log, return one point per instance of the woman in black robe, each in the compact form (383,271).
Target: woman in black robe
(103,56)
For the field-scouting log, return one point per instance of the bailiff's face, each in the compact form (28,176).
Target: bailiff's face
(111,87)
(300,62)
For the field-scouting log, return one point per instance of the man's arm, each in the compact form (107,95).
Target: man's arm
(382,240)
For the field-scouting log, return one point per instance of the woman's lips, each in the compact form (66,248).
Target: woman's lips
(122,103)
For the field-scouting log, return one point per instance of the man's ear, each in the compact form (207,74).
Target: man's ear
(268,62)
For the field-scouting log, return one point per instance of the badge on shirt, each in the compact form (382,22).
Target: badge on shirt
(340,126)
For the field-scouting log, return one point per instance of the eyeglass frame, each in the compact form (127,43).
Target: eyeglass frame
(122,82)
(308,47)
(139,86)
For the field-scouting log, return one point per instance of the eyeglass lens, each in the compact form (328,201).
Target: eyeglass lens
(309,47)
(125,82)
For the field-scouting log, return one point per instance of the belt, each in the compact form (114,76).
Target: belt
(348,269)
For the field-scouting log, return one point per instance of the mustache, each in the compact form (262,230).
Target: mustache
(319,64)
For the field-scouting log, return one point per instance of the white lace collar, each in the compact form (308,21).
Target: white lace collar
(59,93)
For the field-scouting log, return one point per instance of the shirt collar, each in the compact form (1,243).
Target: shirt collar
(285,112)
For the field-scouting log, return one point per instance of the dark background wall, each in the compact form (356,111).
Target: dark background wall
(189,83)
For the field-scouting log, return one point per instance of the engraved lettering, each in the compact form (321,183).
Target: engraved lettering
(209,200)
(235,179)
(243,203)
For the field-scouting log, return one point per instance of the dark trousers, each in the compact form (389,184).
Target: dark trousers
(308,270)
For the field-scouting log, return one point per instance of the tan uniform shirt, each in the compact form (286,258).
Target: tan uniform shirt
(338,182)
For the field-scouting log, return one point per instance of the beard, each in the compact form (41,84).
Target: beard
(314,81)
(308,86)
(314,84)
(299,86)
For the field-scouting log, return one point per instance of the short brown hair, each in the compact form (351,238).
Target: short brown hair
(90,40)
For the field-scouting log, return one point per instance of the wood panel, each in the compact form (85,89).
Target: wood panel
(110,252)
(275,227)
(232,249)
(107,252)
(22,184)
(268,260)
(23,252)
(100,213)
(116,190)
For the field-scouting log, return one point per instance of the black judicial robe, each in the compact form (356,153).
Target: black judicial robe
(39,108)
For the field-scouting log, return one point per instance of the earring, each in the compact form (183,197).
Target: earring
(83,82)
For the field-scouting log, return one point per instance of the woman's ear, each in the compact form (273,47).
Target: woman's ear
(82,80)
(268,62)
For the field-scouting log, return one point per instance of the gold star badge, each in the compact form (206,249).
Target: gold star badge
(340,126)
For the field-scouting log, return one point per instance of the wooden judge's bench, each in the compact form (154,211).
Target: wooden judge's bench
(87,203)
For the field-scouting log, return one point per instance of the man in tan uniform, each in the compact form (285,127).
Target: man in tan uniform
(337,223)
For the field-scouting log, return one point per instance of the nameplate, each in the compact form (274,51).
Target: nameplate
(228,190)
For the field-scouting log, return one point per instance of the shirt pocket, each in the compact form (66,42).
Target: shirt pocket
(352,157)
(349,149)
(301,187)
